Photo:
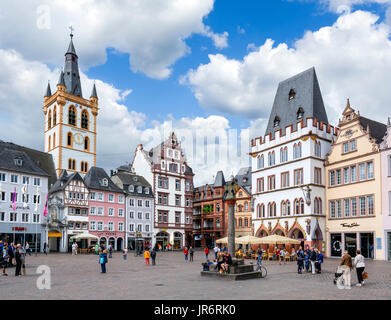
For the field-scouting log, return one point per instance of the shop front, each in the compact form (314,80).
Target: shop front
(388,237)
(350,242)
(22,233)
(162,239)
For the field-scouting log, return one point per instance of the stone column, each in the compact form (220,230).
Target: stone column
(231,227)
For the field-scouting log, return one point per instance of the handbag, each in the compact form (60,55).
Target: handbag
(365,275)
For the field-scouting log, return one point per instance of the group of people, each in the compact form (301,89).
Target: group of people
(189,251)
(10,254)
(222,263)
(310,259)
(346,266)
(150,254)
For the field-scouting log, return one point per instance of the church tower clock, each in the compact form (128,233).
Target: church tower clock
(70,120)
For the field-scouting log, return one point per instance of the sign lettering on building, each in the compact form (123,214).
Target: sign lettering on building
(347,225)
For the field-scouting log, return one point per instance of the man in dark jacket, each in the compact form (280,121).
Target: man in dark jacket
(11,254)
(153,256)
(18,259)
(313,260)
(191,252)
(300,260)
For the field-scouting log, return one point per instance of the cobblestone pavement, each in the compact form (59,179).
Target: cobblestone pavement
(79,277)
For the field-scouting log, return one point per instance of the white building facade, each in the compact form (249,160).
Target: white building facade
(288,179)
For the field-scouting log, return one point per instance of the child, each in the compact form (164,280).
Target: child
(147,255)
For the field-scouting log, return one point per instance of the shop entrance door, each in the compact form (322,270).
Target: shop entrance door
(336,245)
(366,242)
(389,245)
(351,243)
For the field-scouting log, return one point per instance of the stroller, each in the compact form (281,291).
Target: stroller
(338,277)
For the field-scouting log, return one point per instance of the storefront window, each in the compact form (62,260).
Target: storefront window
(336,245)
(351,243)
(366,243)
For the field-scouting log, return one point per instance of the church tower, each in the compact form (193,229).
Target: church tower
(70,120)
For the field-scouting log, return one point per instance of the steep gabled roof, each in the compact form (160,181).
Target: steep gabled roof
(299,91)
(219,181)
(377,129)
(93,180)
(65,180)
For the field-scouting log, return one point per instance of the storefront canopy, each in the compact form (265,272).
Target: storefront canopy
(248,240)
(225,240)
(87,236)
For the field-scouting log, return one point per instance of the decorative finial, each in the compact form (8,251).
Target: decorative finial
(348,103)
(71,28)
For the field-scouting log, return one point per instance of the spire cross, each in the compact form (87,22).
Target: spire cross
(71,28)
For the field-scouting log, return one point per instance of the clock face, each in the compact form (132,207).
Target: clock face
(78,138)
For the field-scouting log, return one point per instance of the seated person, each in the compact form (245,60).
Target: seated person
(206,265)
(293,254)
(227,262)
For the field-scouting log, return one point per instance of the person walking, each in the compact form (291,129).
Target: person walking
(4,258)
(346,266)
(23,259)
(125,253)
(27,247)
(259,255)
(206,253)
(313,260)
(282,255)
(153,257)
(300,260)
(186,253)
(216,250)
(45,248)
(11,254)
(110,250)
(74,248)
(319,261)
(191,252)
(18,261)
(360,266)
(147,255)
(103,260)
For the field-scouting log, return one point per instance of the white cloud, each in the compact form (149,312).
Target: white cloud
(120,130)
(340,6)
(153,32)
(352,59)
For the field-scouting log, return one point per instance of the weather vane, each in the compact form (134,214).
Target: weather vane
(71,28)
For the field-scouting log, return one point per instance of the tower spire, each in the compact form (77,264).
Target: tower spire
(48,90)
(71,70)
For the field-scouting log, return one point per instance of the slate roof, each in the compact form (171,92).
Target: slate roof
(127,178)
(377,130)
(244,178)
(71,71)
(307,95)
(93,93)
(34,161)
(219,181)
(48,91)
(64,180)
(94,178)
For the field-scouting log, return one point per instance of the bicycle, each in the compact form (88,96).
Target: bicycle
(262,269)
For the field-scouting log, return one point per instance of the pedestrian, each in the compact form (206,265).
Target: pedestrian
(125,253)
(11,254)
(307,261)
(18,261)
(153,256)
(191,252)
(4,259)
(23,259)
(147,255)
(300,260)
(360,266)
(103,260)
(1,246)
(216,250)
(186,253)
(45,247)
(346,266)
(27,247)
(110,250)
(319,261)
(259,254)
(282,255)
(206,253)
(74,248)
(313,260)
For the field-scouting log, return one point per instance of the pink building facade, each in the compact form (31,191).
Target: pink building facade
(106,214)
(386,190)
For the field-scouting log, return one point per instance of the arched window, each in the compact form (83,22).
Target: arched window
(276,122)
(320,205)
(246,222)
(295,151)
(49,144)
(282,155)
(297,207)
(301,206)
(50,119)
(54,116)
(70,164)
(84,119)
(86,144)
(288,208)
(300,113)
(292,94)
(286,153)
(273,158)
(318,150)
(283,209)
(299,150)
(262,210)
(73,164)
(72,115)
(240,222)
(246,206)
(70,139)
(261,162)
(54,140)
(274,209)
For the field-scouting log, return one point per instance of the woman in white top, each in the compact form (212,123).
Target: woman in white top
(360,266)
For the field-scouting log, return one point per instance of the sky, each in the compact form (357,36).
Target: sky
(207,69)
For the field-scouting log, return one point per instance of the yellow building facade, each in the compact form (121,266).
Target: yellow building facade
(243,213)
(354,188)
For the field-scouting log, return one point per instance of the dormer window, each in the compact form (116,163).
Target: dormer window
(105,182)
(292,94)
(146,190)
(300,113)
(135,179)
(18,162)
(276,122)
(131,188)
(139,189)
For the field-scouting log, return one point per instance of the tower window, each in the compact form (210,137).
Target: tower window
(292,94)
(54,140)
(84,119)
(50,119)
(69,139)
(300,113)
(276,122)
(54,116)
(70,164)
(73,164)
(86,143)
(72,116)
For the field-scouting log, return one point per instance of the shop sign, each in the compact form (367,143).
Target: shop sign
(347,225)
(19,229)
